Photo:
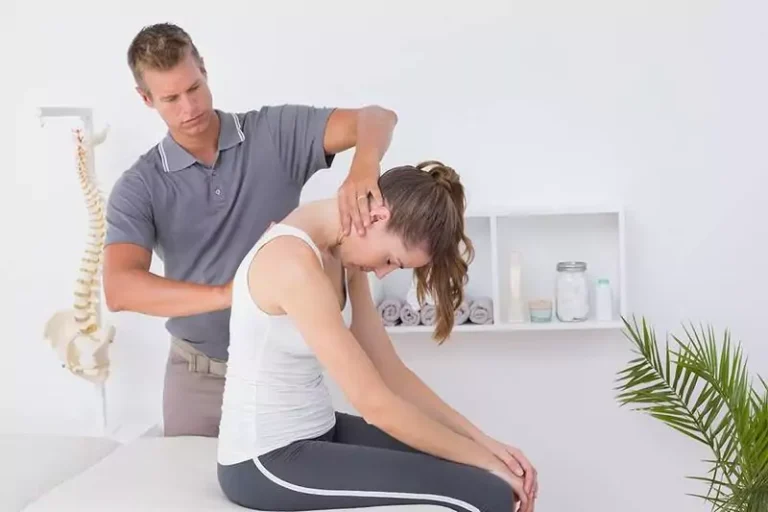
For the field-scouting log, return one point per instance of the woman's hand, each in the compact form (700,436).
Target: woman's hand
(516,462)
(526,502)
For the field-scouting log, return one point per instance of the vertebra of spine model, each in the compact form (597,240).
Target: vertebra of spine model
(76,334)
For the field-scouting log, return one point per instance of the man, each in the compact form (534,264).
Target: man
(202,197)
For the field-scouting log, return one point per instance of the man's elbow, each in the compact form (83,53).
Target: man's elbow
(390,114)
(383,112)
(113,298)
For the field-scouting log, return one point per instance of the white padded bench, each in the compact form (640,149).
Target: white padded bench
(153,474)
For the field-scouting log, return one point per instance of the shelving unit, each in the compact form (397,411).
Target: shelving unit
(543,237)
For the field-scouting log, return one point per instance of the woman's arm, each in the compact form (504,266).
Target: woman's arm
(287,276)
(369,331)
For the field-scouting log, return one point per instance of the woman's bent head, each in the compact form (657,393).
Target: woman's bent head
(419,226)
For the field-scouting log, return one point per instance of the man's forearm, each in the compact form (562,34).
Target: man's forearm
(410,387)
(375,126)
(143,292)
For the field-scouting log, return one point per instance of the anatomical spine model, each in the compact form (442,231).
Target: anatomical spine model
(77,336)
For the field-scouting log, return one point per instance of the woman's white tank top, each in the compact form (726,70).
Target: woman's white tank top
(275,391)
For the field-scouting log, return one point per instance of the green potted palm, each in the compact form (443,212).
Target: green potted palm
(699,385)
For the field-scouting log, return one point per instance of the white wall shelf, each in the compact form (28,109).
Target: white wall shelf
(505,327)
(543,237)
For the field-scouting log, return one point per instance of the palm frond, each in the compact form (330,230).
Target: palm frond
(702,389)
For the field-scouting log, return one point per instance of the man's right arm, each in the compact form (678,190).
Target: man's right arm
(130,286)
(128,283)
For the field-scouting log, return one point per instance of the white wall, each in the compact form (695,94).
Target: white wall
(659,105)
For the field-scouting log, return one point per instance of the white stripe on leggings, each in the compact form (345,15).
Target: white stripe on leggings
(363,494)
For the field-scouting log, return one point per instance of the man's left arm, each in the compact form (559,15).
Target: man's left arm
(369,130)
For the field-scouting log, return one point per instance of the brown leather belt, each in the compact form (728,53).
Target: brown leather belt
(198,362)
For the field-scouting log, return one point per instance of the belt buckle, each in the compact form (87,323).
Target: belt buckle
(199,364)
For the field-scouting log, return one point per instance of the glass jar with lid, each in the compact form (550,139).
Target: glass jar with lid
(572,292)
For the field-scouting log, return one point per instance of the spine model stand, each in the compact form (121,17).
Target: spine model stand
(77,336)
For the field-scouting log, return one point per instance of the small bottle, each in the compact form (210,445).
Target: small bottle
(603,301)
(515,313)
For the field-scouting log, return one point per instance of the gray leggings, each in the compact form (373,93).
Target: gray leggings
(358,465)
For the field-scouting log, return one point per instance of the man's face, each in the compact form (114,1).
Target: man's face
(181,96)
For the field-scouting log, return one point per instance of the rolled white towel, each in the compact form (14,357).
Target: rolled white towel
(481,311)
(461,315)
(408,315)
(428,314)
(389,310)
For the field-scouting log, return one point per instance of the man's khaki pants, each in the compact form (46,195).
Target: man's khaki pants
(192,392)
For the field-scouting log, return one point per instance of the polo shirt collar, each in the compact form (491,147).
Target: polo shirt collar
(175,158)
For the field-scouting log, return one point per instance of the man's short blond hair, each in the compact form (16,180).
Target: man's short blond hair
(160,47)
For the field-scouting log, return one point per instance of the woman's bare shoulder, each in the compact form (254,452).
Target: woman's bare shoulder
(283,263)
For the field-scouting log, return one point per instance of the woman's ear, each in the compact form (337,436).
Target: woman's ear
(379,213)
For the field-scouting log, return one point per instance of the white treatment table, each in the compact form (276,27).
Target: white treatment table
(148,474)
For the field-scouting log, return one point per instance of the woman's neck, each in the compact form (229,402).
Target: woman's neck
(321,220)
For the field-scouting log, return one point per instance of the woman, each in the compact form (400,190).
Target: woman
(281,444)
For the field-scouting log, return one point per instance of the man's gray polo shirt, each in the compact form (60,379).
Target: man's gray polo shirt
(201,221)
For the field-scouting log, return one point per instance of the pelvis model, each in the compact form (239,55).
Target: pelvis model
(76,334)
